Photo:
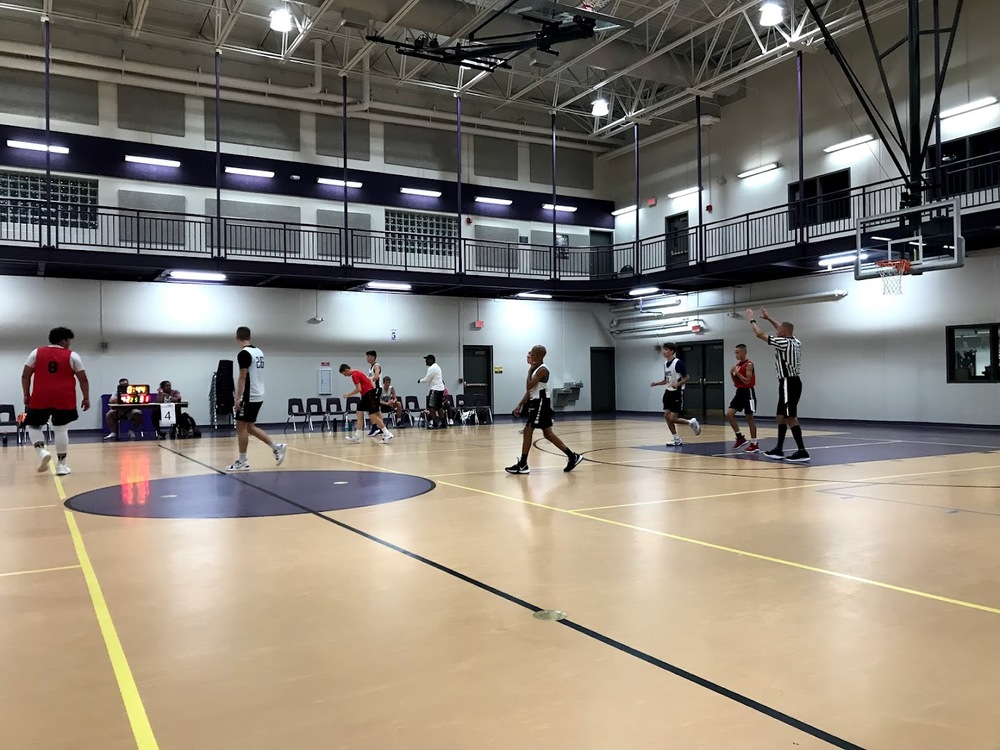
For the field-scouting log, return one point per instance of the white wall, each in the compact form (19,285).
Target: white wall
(867,356)
(158,331)
(762,127)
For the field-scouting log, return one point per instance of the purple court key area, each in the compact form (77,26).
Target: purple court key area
(250,494)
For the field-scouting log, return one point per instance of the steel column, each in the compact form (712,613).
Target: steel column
(48,131)
(458,154)
(638,243)
(343,142)
(219,242)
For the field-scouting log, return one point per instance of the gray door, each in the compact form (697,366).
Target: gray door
(477,366)
(602,254)
(602,380)
(677,239)
(705,393)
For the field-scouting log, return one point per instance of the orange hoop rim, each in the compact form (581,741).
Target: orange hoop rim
(902,266)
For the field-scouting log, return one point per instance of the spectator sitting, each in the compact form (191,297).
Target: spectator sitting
(114,415)
(165,394)
(390,402)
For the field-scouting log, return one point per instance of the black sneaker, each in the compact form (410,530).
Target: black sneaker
(573,462)
(518,468)
(799,457)
(775,454)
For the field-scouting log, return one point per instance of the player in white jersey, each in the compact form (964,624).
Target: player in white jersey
(675,375)
(375,375)
(540,413)
(249,399)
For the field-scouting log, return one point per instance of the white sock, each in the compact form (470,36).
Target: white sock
(243,457)
(62,439)
(36,435)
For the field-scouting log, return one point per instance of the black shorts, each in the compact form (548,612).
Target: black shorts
(540,413)
(369,403)
(673,401)
(745,401)
(789,393)
(435,399)
(60,417)
(248,411)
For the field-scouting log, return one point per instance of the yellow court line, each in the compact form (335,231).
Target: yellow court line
(702,497)
(141,729)
(701,543)
(30,507)
(38,570)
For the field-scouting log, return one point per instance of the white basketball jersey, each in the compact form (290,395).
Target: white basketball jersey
(671,375)
(255,374)
(541,389)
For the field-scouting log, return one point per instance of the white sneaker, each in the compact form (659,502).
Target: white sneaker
(386,438)
(677,440)
(279,453)
(693,424)
(238,465)
(111,436)
(62,469)
(44,459)
(352,438)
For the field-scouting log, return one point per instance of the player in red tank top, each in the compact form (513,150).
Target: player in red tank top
(745,400)
(369,403)
(49,383)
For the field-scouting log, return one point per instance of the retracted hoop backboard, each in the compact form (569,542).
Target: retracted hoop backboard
(928,238)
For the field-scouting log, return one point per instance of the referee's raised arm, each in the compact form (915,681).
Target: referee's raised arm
(753,324)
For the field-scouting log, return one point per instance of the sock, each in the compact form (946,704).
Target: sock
(782,430)
(243,457)
(569,453)
(797,434)
(739,434)
(62,440)
(37,437)
(524,459)
(272,445)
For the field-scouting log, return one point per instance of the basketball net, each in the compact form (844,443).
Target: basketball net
(892,272)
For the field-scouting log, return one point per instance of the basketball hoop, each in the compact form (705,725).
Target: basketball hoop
(892,272)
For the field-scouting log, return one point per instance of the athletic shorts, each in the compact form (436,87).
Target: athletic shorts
(248,411)
(369,403)
(59,417)
(435,399)
(745,401)
(673,401)
(540,413)
(789,393)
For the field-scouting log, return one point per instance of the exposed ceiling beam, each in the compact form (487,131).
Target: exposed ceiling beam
(138,14)
(307,26)
(230,24)
(389,26)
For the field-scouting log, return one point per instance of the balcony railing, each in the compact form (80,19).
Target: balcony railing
(67,226)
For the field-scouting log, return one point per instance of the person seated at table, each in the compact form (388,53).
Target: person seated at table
(389,401)
(114,414)
(165,394)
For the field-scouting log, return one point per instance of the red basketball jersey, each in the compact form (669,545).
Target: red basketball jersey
(742,367)
(54,384)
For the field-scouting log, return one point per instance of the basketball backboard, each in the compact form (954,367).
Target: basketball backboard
(928,237)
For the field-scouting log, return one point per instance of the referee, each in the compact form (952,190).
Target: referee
(788,363)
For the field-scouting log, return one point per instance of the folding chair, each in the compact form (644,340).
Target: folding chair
(8,418)
(296,410)
(480,405)
(411,405)
(352,408)
(334,411)
(314,410)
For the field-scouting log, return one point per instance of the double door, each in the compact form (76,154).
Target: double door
(705,392)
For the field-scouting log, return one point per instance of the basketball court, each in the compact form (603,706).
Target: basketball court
(415,595)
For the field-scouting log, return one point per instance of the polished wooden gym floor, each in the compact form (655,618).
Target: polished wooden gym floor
(711,599)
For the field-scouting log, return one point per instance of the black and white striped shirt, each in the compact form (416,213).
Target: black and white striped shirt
(787,356)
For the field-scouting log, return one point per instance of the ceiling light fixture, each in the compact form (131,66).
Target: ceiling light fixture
(567,209)
(771,14)
(623,211)
(494,201)
(683,193)
(419,191)
(600,107)
(848,144)
(173,163)
(533,295)
(338,183)
(29,146)
(281,20)
(841,259)
(643,291)
(758,170)
(196,276)
(970,107)
(389,286)
(250,172)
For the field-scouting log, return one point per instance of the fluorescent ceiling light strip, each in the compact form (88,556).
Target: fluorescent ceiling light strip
(642,291)
(842,259)
(970,107)
(389,286)
(882,239)
(757,170)
(338,183)
(567,209)
(682,193)
(250,172)
(152,161)
(622,211)
(533,295)
(419,191)
(847,144)
(494,201)
(197,276)
(30,146)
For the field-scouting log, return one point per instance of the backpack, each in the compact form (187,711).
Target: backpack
(186,427)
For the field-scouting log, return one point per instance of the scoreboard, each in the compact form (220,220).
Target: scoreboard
(135,394)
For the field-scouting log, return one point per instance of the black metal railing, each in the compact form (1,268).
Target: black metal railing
(24,222)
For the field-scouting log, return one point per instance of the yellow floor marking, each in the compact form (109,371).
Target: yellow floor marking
(704,497)
(30,507)
(39,570)
(141,729)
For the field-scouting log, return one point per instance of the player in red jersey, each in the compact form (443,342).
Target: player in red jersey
(745,400)
(49,384)
(369,403)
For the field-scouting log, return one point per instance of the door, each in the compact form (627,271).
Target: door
(705,393)
(602,380)
(602,255)
(676,241)
(477,369)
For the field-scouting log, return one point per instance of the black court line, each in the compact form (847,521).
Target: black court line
(716,688)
